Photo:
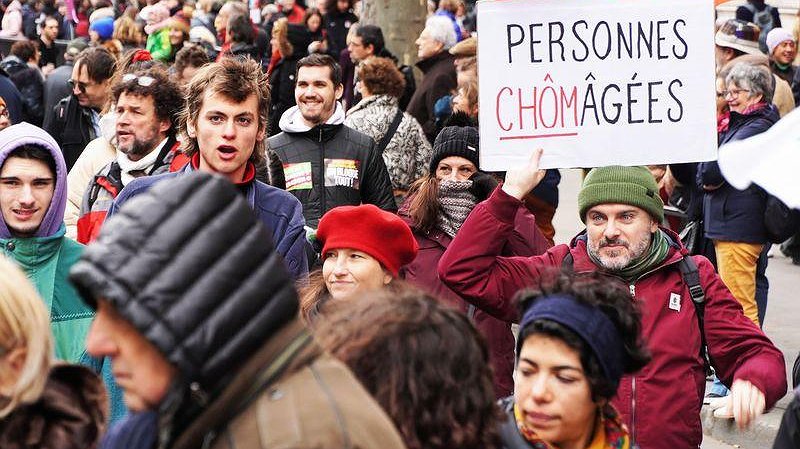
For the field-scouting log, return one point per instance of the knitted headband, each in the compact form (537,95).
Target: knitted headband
(589,323)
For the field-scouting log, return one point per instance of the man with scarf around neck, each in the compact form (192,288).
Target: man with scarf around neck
(223,123)
(622,210)
(33,194)
(317,158)
(147,103)
(199,317)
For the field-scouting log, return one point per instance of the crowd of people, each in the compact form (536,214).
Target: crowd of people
(234,226)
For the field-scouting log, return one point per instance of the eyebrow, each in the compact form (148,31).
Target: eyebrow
(16,178)
(554,368)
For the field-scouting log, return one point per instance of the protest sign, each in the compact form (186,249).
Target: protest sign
(596,83)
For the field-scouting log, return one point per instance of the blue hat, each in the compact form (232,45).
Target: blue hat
(104,27)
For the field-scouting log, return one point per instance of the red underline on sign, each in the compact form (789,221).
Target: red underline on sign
(538,136)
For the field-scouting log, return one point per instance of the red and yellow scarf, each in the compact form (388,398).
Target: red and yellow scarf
(609,431)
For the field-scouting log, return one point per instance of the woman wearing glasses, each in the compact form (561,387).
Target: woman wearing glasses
(734,219)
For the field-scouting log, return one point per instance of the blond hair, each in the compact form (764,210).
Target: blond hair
(24,323)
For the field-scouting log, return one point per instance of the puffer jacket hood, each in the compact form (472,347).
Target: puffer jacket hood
(21,134)
(190,266)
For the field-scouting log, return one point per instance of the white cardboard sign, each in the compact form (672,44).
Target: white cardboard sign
(595,83)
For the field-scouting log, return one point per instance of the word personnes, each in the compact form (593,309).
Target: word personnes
(582,40)
(552,106)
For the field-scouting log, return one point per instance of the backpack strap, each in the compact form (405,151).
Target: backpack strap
(691,277)
(398,117)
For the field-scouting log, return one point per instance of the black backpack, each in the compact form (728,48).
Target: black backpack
(691,277)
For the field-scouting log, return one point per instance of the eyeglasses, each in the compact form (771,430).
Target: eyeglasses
(734,93)
(4,113)
(81,85)
(144,81)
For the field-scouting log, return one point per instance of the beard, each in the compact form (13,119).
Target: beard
(139,147)
(619,258)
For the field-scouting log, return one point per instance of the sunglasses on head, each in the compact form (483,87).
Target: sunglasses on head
(144,81)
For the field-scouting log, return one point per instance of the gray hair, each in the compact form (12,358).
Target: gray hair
(755,78)
(441,29)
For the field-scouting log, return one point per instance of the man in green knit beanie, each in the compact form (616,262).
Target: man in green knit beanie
(624,240)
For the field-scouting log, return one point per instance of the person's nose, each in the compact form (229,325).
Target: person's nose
(26,198)
(229,130)
(540,390)
(452,176)
(611,231)
(340,269)
(98,343)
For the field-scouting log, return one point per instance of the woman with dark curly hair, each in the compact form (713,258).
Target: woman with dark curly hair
(578,336)
(424,363)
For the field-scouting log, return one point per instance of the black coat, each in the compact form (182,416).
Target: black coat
(438,80)
(338,25)
(71,126)
(321,153)
(30,83)
(731,214)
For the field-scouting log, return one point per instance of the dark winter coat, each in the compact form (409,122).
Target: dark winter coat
(30,83)
(788,436)
(192,269)
(438,80)
(731,214)
(71,413)
(327,166)
(338,25)
(661,403)
(277,210)
(11,95)
(282,77)
(526,240)
(71,125)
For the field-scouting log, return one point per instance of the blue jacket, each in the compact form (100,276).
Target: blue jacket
(279,210)
(731,214)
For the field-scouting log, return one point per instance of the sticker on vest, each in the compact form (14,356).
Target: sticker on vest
(298,176)
(675,302)
(342,172)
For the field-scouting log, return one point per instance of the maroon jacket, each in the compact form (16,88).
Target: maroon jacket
(525,240)
(661,403)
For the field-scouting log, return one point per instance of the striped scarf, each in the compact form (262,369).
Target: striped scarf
(609,431)
(456,203)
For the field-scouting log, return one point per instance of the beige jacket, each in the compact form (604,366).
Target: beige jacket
(290,394)
(97,154)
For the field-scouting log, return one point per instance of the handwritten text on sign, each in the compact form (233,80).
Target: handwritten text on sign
(596,83)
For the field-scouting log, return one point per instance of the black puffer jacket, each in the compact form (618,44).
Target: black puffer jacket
(335,156)
(192,268)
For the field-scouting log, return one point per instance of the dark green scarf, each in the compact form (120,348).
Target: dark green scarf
(654,256)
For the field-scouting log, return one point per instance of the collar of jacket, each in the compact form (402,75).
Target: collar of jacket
(290,348)
(30,252)
(427,64)
(377,101)
(584,264)
(323,132)
(769,112)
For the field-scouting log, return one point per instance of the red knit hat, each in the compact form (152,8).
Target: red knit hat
(382,235)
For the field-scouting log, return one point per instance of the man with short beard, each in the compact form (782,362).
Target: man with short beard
(147,104)
(623,239)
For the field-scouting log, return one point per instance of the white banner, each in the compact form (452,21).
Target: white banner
(594,83)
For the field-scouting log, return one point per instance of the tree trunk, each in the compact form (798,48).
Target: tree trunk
(401,22)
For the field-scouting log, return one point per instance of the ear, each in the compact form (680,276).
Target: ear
(261,133)
(387,277)
(16,359)
(164,126)
(339,91)
(654,226)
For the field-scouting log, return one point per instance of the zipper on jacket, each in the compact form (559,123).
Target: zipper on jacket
(633,411)
(633,291)
(322,177)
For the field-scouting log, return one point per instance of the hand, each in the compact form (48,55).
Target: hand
(519,182)
(747,402)
(482,184)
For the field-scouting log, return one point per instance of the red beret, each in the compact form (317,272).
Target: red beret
(383,235)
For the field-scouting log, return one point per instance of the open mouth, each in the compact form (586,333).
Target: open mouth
(226,152)
(24,214)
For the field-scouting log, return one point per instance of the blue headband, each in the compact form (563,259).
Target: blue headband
(590,323)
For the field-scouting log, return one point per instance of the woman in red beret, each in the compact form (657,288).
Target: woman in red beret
(363,248)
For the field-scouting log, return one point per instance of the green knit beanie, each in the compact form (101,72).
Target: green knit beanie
(624,185)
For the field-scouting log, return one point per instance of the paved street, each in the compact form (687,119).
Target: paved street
(783,310)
